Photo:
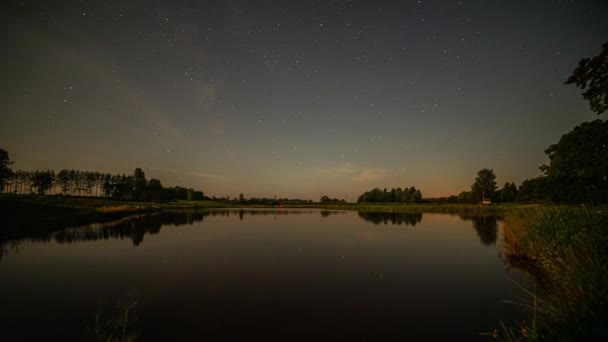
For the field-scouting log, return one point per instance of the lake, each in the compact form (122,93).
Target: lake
(277,274)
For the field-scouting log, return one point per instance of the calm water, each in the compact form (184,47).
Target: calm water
(277,274)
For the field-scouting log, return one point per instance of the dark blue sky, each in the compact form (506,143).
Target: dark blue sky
(294,98)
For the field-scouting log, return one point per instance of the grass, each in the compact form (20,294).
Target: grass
(566,248)
(118,326)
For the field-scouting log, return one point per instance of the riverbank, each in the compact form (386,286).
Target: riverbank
(566,249)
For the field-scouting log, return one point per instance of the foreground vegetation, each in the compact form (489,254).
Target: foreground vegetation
(566,248)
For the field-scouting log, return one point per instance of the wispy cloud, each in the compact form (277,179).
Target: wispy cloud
(367,175)
(346,169)
(351,171)
(190,173)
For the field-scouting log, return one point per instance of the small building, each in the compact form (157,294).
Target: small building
(486,201)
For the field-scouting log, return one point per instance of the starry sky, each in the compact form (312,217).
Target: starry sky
(294,98)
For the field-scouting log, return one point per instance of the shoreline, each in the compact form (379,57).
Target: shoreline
(27,215)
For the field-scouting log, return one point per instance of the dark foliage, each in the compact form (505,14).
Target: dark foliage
(578,165)
(591,75)
(133,187)
(407,195)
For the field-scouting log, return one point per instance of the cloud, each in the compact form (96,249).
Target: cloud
(341,170)
(189,173)
(367,175)
(351,171)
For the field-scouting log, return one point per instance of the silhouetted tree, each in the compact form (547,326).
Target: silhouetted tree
(107,185)
(154,188)
(467,197)
(508,192)
(591,75)
(416,197)
(123,187)
(408,195)
(326,199)
(63,181)
(198,196)
(43,181)
(21,179)
(139,184)
(578,164)
(5,169)
(535,189)
(92,183)
(485,184)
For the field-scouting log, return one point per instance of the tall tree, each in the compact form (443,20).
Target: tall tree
(139,184)
(43,181)
(5,169)
(485,184)
(154,189)
(509,192)
(591,75)
(63,180)
(578,164)
(89,181)
(416,197)
(535,189)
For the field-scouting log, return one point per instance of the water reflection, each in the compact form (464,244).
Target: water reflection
(485,226)
(409,219)
(136,227)
(308,271)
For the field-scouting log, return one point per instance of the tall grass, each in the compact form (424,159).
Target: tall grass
(118,326)
(566,249)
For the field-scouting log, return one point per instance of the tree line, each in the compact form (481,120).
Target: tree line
(128,187)
(395,195)
(486,188)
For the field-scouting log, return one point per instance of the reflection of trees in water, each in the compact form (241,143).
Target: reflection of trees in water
(327,213)
(409,219)
(135,227)
(266,212)
(485,226)
(13,245)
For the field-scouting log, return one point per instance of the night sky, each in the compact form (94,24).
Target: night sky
(294,98)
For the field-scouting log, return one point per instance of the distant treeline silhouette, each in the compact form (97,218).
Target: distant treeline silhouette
(134,187)
(398,195)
